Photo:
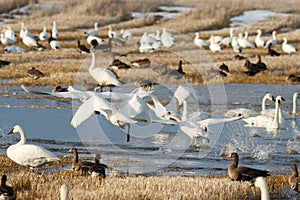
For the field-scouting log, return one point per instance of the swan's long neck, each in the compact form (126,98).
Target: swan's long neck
(294,104)
(23,138)
(263,104)
(263,186)
(274,35)
(93,64)
(277,113)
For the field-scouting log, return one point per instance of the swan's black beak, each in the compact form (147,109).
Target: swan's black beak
(11,132)
(282,99)
(273,99)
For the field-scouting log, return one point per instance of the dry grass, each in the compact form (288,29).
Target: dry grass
(7,6)
(31,185)
(61,66)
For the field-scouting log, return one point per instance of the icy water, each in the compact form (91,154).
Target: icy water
(157,149)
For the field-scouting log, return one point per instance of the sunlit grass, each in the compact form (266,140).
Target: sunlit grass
(44,185)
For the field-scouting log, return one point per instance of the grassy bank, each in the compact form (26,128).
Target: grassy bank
(31,185)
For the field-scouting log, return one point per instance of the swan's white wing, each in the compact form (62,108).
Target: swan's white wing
(245,112)
(212,121)
(30,155)
(104,76)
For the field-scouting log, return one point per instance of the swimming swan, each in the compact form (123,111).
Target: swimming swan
(249,112)
(268,122)
(28,154)
(285,114)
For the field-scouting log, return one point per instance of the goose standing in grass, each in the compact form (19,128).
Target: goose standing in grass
(82,48)
(54,44)
(288,48)
(6,192)
(104,77)
(261,65)
(213,46)
(258,39)
(4,63)
(294,179)
(28,154)
(250,69)
(272,41)
(44,35)
(200,42)
(31,42)
(249,44)
(79,165)
(94,31)
(293,78)
(64,192)
(97,169)
(262,184)
(272,52)
(54,32)
(141,63)
(243,173)
(35,74)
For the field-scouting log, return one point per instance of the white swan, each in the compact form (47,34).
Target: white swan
(28,154)
(31,42)
(199,128)
(285,114)
(94,31)
(227,41)
(54,44)
(23,29)
(55,33)
(64,192)
(44,35)
(235,45)
(258,39)
(248,43)
(249,112)
(167,39)
(262,184)
(213,46)
(268,122)
(8,36)
(288,48)
(101,106)
(103,76)
(200,42)
(272,41)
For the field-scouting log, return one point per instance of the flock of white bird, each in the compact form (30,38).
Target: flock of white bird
(240,42)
